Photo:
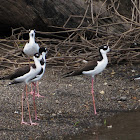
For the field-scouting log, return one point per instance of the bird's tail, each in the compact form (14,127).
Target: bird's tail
(13,82)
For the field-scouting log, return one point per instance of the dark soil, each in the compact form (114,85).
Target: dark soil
(67,108)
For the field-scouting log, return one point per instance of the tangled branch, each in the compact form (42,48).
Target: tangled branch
(70,46)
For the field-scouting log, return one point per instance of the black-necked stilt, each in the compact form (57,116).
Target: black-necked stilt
(42,51)
(93,68)
(26,74)
(32,47)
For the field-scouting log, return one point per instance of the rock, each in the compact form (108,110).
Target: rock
(123,98)
(109,126)
(57,101)
(53,114)
(105,84)
(59,112)
(102,92)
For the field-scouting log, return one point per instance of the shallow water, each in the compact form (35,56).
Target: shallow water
(124,126)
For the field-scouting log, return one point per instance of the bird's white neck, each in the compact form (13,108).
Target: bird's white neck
(104,57)
(44,54)
(32,39)
(37,63)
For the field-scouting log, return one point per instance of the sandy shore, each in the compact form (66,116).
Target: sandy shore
(67,108)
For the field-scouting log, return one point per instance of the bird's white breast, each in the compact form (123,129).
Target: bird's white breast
(38,77)
(28,76)
(31,48)
(98,69)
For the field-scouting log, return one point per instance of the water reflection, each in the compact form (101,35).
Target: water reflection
(124,126)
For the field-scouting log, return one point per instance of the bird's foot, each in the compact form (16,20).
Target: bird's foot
(36,118)
(31,123)
(31,92)
(38,95)
(22,122)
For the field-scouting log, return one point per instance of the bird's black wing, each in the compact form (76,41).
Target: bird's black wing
(89,66)
(19,72)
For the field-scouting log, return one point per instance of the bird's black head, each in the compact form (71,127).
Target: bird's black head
(32,30)
(103,50)
(43,49)
(38,56)
(104,47)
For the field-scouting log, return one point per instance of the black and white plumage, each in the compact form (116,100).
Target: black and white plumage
(26,74)
(42,51)
(93,68)
(32,47)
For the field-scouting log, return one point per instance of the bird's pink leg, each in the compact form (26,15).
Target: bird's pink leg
(31,89)
(38,95)
(22,98)
(29,108)
(34,101)
(92,91)
(37,87)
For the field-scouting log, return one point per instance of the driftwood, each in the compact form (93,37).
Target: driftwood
(69,47)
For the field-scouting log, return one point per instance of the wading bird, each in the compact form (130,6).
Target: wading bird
(34,81)
(26,75)
(32,47)
(93,68)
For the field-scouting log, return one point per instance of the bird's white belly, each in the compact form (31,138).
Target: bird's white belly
(98,69)
(31,49)
(38,77)
(27,77)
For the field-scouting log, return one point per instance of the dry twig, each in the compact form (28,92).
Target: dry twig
(82,42)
